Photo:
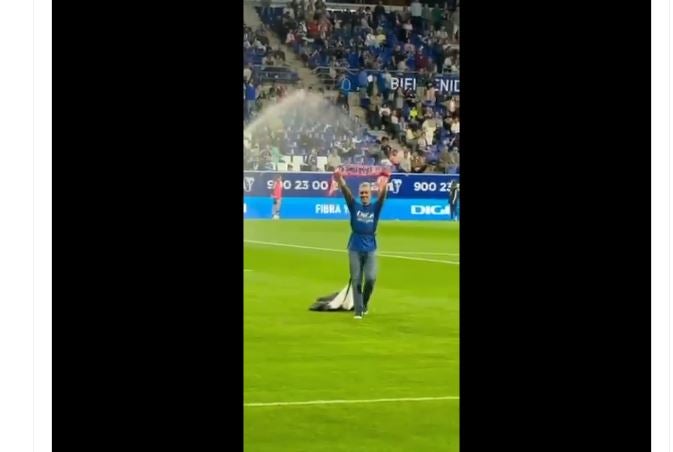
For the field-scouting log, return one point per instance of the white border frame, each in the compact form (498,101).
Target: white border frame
(25,226)
(16,226)
(42,208)
(660,246)
(25,180)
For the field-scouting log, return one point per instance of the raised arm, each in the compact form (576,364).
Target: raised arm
(383,192)
(348,196)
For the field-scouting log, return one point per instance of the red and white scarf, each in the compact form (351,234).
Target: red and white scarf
(359,171)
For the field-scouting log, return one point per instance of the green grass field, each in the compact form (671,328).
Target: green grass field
(407,347)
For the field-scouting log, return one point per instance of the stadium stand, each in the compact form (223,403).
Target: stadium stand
(359,53)
(266,63)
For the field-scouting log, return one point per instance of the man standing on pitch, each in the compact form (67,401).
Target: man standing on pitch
(454,200)
(277,195)
(364,217)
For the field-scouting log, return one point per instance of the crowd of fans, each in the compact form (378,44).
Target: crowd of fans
(257,49)
(418,38)
(297,141)
(421,126)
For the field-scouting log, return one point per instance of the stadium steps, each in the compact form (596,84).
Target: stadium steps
(306,76)
(250,17)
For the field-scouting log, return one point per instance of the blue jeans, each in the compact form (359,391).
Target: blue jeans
(362,264)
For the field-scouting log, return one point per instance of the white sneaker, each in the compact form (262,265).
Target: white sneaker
(358,317)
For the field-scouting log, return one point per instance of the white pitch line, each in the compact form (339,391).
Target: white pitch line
(426,253)
(334,402)
(317,248)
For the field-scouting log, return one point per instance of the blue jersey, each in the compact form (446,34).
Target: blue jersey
(364,220)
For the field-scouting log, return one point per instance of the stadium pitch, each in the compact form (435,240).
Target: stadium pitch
(322,381)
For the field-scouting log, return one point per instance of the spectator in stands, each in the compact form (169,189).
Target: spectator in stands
(448,65)
(420,95)
(429,126)
(427,17)
(444,159)
(385,146)
(425,37)
(397,55)
(455,156)
(455,68)
(385,112)
(411,137)
(380,37)
(250,99)
(399,98)
(440,57)
(413,113)
(266,8)
(249,160)
(290,38)
(442,34)
(333,161)
(447,122)
(403,15)
(257,44)
(432,68)
(402,65)
(395,125)
(377,153)
(407,28)
(312,160)
(275,155)
(431,95)
(455,17)
(385,84)
(364,23)
(418,164)
(344,84)
(247,73)
(304,55)
(374,116)
(363,83)
(423,141)
(395,157)
(437,16)
(405,161)
(455,125)
(370,40)
(379,12)
(385,161)
(279,55)
(416,14)
(265,163)
(267,59)
(452,106)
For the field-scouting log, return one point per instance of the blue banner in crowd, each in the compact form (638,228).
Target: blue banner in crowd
(316,185)
(445,84)
(335,208)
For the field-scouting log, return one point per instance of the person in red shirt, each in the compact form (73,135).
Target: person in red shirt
(277,195)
